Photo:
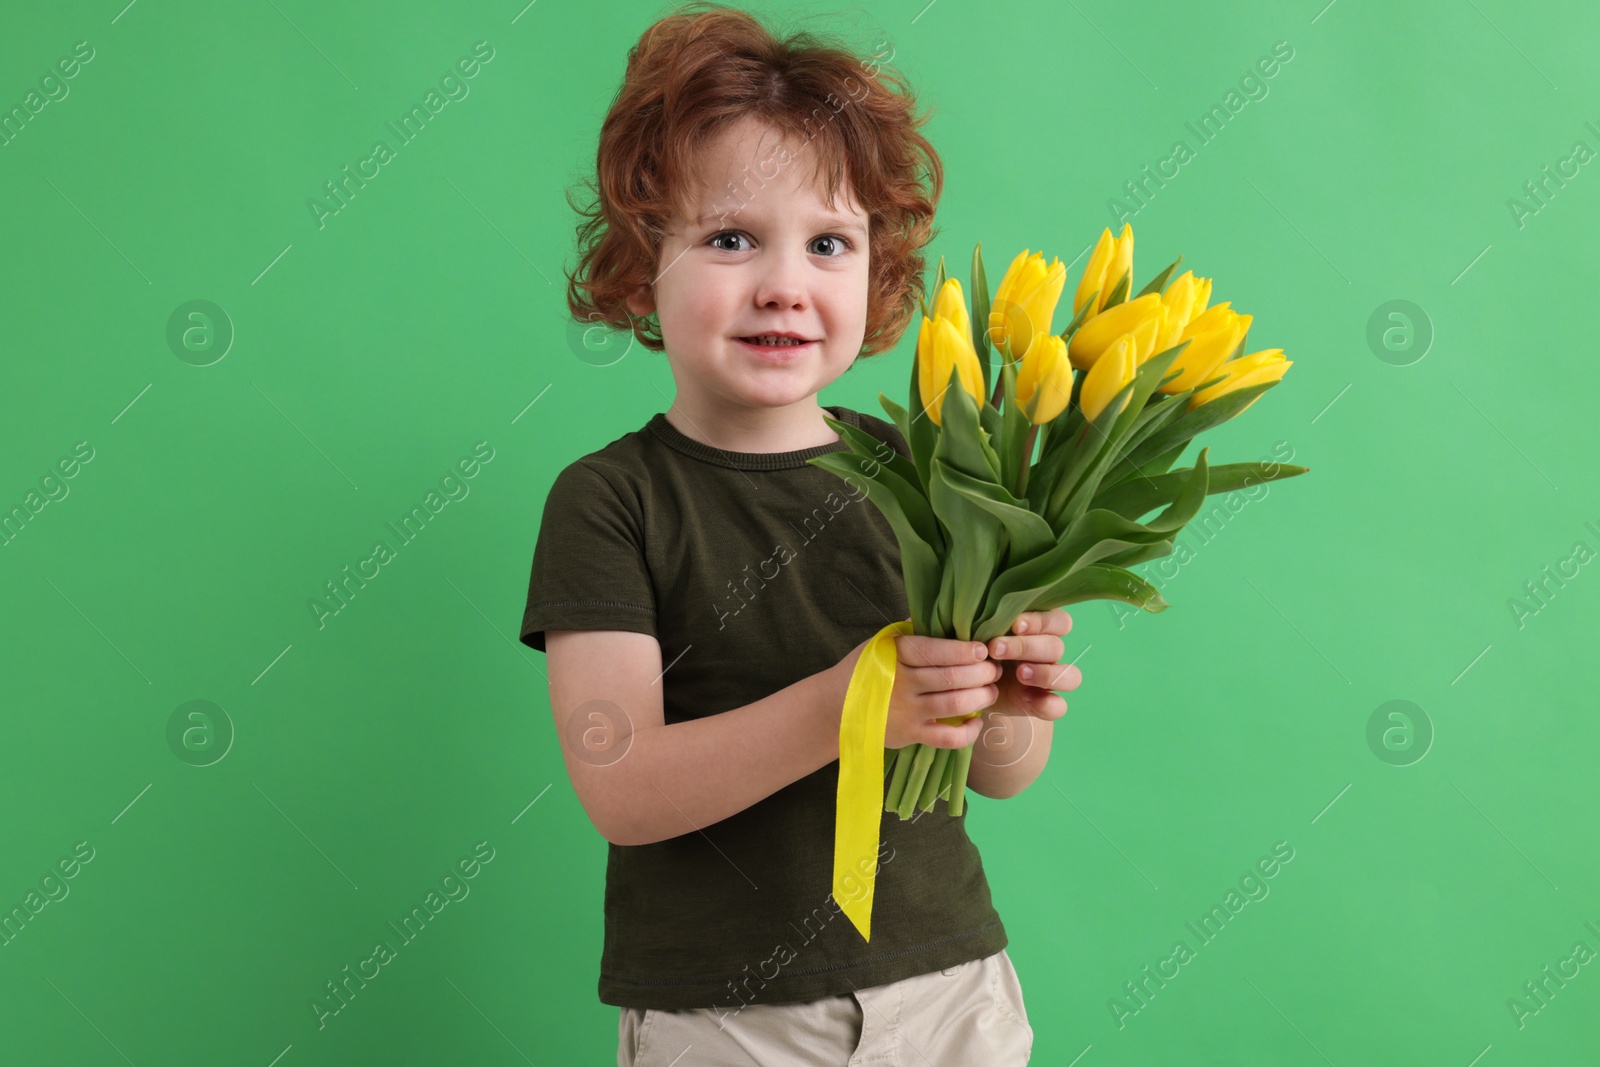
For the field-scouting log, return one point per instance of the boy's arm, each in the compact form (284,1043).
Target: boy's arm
(605,692)
(1009,754)
(1015,743)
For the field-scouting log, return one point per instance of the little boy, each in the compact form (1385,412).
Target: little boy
(703,593)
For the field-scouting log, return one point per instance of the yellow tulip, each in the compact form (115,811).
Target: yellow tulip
(1185,298)
(941,344)
(1044,379)
(950,303)
(1268,365)
(1113,370)
(1097,334)
(1110,258)
(1212,338)
(1147,333)
(1025,303)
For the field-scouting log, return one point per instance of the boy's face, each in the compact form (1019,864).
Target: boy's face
(766,255)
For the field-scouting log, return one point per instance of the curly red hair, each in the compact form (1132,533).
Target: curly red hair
(696,71)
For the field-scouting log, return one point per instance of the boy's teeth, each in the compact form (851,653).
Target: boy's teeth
(772,340)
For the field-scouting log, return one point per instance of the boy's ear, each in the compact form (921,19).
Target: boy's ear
(642,301)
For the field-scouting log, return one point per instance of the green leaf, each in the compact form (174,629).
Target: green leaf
(1065,426)
(1097,581)
(1126,472)
(1138,497)
(1156,415)
(1097,535)
(1101,581)
(1197,421)
(1159,282)
(990,420)
(1119,292)
(962,440)
(1052,462)
(1140,553)
(1009,428)
(920,564)
(923,429)
(973,551)
(943,606)
(1078,317)
(1030,534)
(902,420)
(1089,461)
(974,541)
(873,449)
(980,316)
(1189,498)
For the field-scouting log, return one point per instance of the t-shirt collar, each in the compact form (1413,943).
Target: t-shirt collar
(748,461)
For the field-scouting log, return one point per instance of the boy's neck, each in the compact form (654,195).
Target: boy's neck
(787,429)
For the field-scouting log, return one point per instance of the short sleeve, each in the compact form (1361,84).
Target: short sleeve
(589,567)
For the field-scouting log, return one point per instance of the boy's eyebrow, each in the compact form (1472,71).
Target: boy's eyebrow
(835,222)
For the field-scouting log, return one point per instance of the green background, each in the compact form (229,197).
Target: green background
(363,756)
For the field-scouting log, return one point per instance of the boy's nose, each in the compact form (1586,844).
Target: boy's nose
(780,285)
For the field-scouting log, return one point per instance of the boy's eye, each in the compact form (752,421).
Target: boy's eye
(726,235)
(837,245)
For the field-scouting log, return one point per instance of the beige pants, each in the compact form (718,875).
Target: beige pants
(970,1014)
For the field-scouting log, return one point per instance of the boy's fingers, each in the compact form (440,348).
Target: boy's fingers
(960,676)
(1043,704)
(938,651)
(1057,676)
(1054,621)
(945,735)
(1046,648)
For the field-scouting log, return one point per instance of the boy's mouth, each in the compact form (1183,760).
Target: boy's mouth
(775,340)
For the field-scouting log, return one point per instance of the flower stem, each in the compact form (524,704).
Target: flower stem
(902,768)
(912,790)
(1027,461)
(958,784)
(930,788)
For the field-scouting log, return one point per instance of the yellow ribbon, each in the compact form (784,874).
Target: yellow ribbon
(859,810)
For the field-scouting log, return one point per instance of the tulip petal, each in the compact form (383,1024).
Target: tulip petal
(1113,370)
(1097,333)
(1094,274)
(951,304)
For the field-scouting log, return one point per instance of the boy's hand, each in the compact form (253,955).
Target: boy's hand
(1031,656)
(939,678)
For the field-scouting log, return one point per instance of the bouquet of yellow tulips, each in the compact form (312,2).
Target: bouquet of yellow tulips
(1027,494)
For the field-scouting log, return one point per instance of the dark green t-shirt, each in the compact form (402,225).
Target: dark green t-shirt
(753,571)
